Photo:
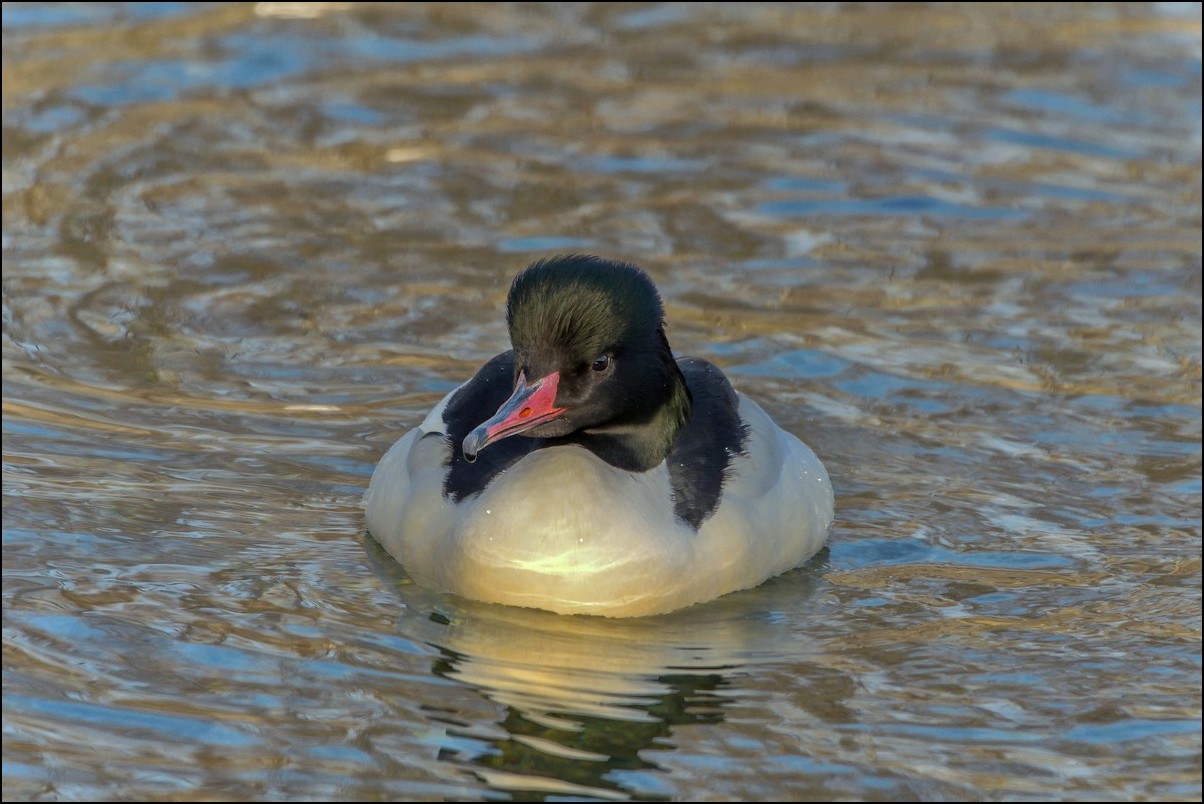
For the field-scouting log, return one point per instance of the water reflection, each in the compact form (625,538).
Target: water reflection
(585,698)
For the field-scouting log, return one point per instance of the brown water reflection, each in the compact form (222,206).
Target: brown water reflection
(956,249)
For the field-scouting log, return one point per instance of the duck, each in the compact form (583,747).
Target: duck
(587,470)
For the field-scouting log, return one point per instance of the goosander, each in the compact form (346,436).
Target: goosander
(588,471)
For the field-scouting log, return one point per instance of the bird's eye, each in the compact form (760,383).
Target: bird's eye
(601,363)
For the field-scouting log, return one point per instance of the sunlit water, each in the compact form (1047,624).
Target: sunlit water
(957,251)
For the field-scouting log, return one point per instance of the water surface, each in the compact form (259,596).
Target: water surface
(955,249)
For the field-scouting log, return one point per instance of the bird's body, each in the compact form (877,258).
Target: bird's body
(642,484)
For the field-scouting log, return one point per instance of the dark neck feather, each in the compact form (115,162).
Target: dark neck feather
(641,441)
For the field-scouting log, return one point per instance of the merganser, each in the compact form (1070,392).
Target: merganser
(640,484)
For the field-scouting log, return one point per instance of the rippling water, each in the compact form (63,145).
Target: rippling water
(955,249)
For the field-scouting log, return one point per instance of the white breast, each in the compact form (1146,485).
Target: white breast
(565,531)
